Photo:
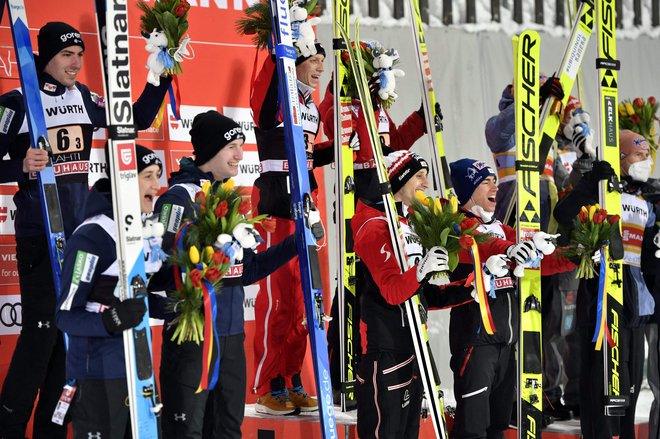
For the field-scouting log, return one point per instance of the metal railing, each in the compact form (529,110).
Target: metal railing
(515,7)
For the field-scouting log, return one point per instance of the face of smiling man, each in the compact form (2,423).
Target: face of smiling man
(310,70)
(225,163)
(484,195)
(65,66)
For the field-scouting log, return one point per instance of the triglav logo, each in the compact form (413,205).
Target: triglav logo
(126,157)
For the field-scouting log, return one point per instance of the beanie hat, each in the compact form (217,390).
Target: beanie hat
(52,38)
(210,132)
(466,175)
(402,166)
(145,158)
(319,51)
(629,142)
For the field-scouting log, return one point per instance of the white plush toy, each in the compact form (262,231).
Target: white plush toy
(303,32)
(156,63)
(383,62)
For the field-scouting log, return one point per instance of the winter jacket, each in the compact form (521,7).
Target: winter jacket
(273,181)
(637,217)
(89,279)
(391,138)
(175,205)
(384,325)
(72,115)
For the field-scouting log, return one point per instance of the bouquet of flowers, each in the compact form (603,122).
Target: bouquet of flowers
(592,228)
(436,221)
(207,244)
(171,18)
(640,116)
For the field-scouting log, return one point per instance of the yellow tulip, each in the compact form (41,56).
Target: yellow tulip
(437,206)
(193,254)
(454,204)
(422,198)
(228,185)
(622,110)
(208,252)
(629,109)
(205,187)
(584,209)
(592,210)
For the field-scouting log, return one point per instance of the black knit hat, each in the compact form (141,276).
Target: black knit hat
(402,166)
(210,132)
(319,51)
(52,38)
(145,158)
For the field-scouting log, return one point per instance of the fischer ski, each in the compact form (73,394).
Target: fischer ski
(346,278)
(552,111)
(530,366)
(412,305)
(432,112)
(610,199)
(302,203)
(39,136)
(143,397)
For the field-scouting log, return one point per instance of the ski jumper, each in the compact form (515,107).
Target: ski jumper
(389,395)
(280,339)
(72,114)
(181,364)
(95,357)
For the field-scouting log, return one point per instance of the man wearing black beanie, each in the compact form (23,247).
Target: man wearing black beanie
(280,340)
(218,147)
(72,114)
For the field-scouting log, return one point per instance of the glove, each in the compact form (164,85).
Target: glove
(601,170)
(596,257)
(435,260)
(123,315)
(578,131)
(314,223)
(544,242)
(656,241)
(522,252)
(246,236)
(551,87)
(497,265)
(438,112)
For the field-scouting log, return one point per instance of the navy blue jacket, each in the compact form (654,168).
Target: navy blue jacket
(89,278)
(175,205)
(72,114)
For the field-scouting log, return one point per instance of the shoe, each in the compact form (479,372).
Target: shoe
(275,403)
(558,411)
(302,400)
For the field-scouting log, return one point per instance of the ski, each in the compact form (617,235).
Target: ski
(412,305)
(552,111)
(432,113)
(345,186)
(526,85)
(39,136)
(301,196)
(610,199)
(143,398)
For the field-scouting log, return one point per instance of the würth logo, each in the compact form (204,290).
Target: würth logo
(126,157)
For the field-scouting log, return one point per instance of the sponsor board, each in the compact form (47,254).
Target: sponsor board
(243,117)
(248,302)
(10,314)
(7,215)
(8,267)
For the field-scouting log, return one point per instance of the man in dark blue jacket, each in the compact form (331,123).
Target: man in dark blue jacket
(218,147)
(72,114)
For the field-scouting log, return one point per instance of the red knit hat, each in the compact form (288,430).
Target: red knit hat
(629,142)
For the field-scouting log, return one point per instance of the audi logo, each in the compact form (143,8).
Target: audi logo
(11,315)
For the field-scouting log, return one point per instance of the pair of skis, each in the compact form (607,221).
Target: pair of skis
(302,202)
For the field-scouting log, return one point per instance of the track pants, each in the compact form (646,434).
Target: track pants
(654,378)
(100,410)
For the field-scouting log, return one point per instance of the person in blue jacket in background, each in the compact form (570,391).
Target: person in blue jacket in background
(89,310)
(218,147)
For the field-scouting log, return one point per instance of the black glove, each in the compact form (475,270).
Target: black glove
(438,112)
(601,170)
(551,87)
(420,111)
(123,315)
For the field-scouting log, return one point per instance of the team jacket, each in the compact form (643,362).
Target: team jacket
(390,136)
(174,206)
(637,224)
(273,182)
(72,114)
(384,325)
(89,279)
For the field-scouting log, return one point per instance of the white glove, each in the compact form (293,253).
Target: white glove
(544,242)
(315,224)
(496,265)
(578,131)
(487,278)
(435,260)
(246,236)
(656,241)
(596,257)
(522,252)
